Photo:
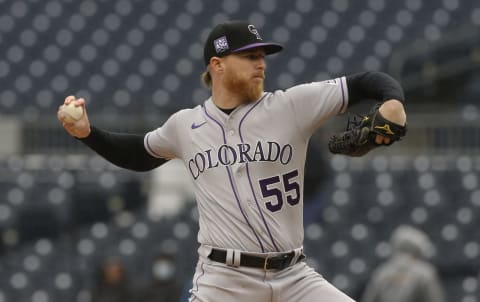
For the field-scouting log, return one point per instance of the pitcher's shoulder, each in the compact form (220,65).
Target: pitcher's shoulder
(187,113)
(185,118)
(276,98)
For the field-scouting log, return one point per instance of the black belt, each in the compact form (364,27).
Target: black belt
(275,262)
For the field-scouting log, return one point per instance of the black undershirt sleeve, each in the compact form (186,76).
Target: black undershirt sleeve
(123,150)
(374,85)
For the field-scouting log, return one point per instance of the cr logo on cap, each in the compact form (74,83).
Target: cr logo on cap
(253,30)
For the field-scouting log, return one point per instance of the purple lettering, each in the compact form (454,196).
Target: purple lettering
(244,153)
(226,161)
(194,175)
(258,151)
(209,157)
(282,153)
(271,149)
(197,156)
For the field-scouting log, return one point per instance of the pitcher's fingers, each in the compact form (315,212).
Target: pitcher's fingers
(378,139)
(80,102)
(60,116)
(69,99)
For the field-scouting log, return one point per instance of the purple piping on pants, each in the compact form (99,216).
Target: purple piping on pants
(231,181)
(250,179)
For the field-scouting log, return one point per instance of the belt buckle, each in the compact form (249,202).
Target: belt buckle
(283,258)
(265,263)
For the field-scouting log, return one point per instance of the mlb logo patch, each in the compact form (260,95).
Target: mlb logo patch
(221,44)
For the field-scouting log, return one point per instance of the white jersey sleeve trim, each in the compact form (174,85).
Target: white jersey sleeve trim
(149,148)
(344,88)
(163,141)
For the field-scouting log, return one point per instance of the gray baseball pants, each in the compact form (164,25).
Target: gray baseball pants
(218,282)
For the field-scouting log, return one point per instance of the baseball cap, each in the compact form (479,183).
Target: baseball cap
(235,36)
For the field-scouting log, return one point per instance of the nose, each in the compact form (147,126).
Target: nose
(261,64)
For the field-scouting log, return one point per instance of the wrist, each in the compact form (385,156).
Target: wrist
(86,134)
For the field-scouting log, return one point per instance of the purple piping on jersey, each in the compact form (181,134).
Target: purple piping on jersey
(250,179)
(343,95)
(231,181)
(150,148)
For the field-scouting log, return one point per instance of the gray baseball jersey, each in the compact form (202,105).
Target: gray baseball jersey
(248,166)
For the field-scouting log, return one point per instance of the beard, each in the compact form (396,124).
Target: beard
(248,89)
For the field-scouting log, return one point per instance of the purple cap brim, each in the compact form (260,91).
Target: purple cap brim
(270,48)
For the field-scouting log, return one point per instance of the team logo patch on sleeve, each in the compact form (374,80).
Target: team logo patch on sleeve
(221,44)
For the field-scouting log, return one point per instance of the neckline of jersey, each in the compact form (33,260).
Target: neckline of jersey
(227,111)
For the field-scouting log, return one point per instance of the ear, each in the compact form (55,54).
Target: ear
(216,64)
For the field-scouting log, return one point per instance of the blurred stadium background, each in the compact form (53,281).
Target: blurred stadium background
(63,210)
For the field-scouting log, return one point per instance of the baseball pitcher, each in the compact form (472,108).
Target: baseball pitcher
(244,149)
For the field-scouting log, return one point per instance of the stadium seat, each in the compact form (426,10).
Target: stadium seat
(60,216)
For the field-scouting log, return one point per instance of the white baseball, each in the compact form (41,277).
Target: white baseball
(71,113)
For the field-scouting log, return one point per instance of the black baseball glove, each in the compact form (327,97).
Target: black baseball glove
(359,138)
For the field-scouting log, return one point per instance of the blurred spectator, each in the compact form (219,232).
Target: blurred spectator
(406,276)
(112,284)
(164,287)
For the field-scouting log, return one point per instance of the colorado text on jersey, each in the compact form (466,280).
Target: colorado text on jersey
(227,155)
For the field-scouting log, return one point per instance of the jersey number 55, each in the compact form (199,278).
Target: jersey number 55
(271,187)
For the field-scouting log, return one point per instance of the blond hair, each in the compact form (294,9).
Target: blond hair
(207,79)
